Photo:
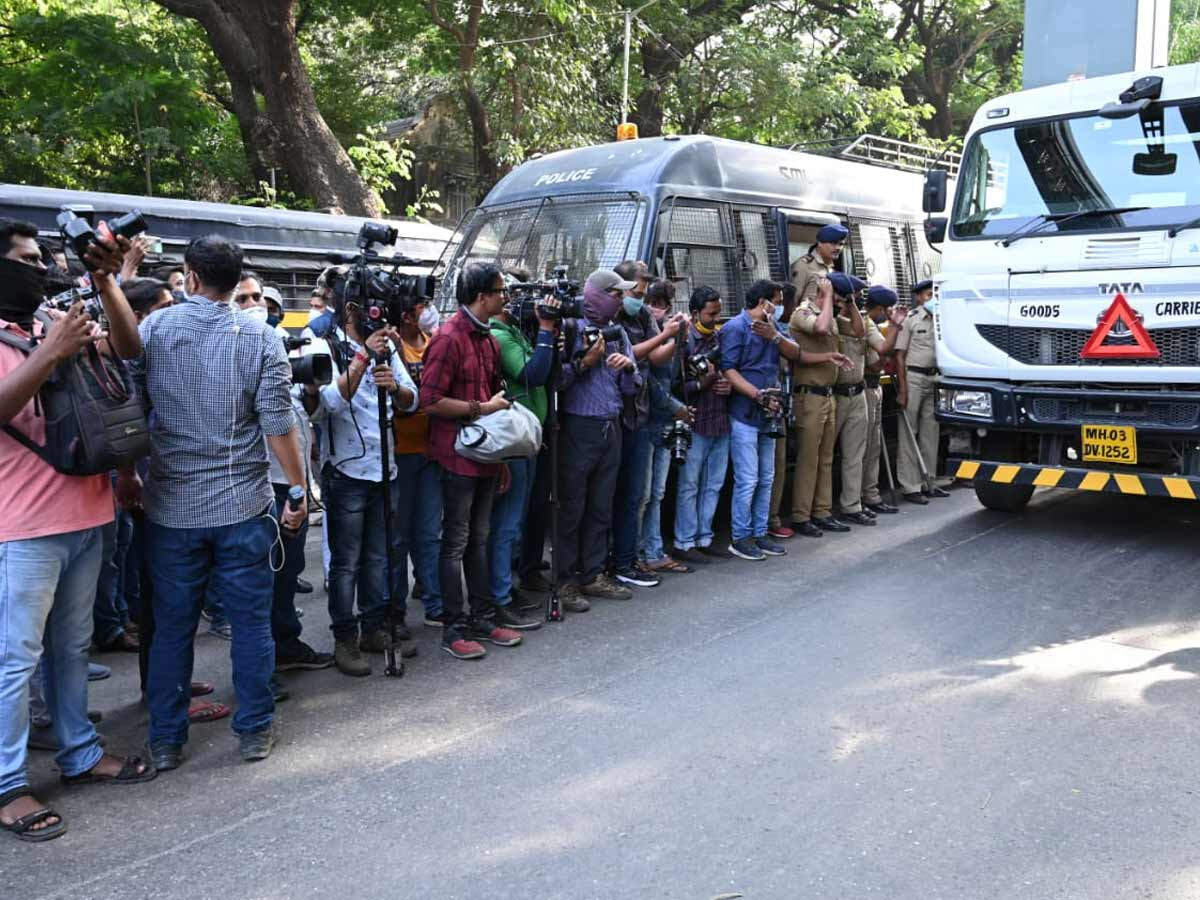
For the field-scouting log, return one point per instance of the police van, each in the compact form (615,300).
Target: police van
(1068,306)
(288,249)
(702,210)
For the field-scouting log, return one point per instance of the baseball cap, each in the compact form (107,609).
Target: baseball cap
(607,280)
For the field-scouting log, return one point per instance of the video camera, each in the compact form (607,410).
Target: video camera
(528,299)
(383,296)
(79,234)
(314,368)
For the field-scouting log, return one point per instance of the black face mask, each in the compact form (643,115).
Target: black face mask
(22,290)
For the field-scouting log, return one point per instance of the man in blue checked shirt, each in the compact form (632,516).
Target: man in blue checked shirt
(352,482)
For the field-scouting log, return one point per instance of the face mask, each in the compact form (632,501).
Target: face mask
(779,313)
(22,290)
(632,305)
(931,305)
(274,320)
(430,320)
(314,314)
(258,313)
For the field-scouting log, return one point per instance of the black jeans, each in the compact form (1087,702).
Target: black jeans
(588,461)
(285,624)
(466,523)
(358,553)
(537,515)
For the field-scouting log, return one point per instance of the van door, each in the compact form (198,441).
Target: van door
(801,227)
(695,245)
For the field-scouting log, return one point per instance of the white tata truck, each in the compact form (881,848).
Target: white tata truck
(1068,303)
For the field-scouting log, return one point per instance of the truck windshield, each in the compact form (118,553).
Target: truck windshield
(583,234)
(1015,175)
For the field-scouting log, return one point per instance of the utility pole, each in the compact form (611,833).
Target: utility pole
(630,15)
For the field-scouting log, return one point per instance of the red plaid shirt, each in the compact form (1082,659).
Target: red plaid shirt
(462,363)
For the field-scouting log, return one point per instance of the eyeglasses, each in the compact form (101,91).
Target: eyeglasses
(504,292)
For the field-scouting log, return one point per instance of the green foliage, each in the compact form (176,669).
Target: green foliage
(1185,31)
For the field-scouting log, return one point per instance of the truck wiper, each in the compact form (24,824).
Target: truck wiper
(1062,218)
(1175,229)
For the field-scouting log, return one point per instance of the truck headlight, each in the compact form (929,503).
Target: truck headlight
(966,403)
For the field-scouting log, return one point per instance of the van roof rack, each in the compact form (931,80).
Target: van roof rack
(885,151)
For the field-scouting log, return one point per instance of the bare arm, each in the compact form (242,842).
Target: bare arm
(857,326)
(122,323)
(740,384)
(824,320)
(286,449)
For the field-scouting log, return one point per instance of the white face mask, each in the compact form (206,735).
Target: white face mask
(256,312)
(313,312)
(430,319)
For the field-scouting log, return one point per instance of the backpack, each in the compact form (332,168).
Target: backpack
(94,419)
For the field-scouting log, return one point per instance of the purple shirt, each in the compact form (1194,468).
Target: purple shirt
(596,392)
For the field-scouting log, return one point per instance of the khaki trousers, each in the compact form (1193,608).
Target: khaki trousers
(870,480)
(922,393)
(850,426)
(812,488)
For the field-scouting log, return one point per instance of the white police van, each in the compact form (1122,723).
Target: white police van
(1068,305)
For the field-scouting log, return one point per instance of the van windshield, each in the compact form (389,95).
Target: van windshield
(1019,175)
(583,234)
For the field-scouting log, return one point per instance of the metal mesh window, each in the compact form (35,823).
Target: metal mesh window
(696,249)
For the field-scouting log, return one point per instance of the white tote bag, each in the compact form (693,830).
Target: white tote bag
(512,433)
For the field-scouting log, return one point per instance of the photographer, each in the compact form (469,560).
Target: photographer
(215,381)
(50,539)
(352,478)
(460,383)
(598,372)
(699,381)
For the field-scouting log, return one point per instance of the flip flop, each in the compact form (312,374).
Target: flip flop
(22,828)
(203,711)
(129,774)
(672,566)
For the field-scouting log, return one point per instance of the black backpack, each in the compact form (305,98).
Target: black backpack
(94,419)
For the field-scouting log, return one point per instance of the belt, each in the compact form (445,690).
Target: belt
(849,390)
(871,381)
(814,389)
(924,370)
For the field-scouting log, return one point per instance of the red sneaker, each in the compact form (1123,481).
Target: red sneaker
(494,634)
(781,533)
(464,649)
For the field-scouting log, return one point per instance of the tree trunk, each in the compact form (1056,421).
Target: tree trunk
(657,66)
(486,166)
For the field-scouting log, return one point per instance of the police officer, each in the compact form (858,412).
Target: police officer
(813,327)
(858,337)
(809,269)
(916,365)
(882,313)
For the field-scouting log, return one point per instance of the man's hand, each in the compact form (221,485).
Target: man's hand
(504,481)
(824,291)
(764,329)
(134,256)
(686,414)
(902,397)
(293,518)
(377,343)
(841,361)
(548,323)
(594,354)
(723,387)
(672,325)
(497,403)
(897,316)
(770,402)
(385,378)
(619,362)
(72,332)
(104,257)
(129,489)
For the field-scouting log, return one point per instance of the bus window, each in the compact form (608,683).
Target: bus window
(698,251)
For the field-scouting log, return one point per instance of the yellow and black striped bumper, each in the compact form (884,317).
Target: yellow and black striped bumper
(1177,486)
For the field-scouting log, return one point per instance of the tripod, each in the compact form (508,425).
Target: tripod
(393,662)
(553,604)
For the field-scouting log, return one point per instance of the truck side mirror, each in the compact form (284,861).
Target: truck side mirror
(934,198)
(935,229)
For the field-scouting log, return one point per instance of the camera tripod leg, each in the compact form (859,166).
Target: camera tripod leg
(553,604)
(393,662)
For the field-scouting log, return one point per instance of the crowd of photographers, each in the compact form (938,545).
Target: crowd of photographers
(376,413)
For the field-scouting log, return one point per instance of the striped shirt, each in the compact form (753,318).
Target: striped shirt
(214,381)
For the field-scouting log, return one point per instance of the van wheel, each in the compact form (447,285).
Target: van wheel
(1008,498)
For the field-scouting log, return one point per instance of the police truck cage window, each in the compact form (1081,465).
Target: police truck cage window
(1016,176)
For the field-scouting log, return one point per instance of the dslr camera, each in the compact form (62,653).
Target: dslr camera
(314,369)
(774,407)
(700,365)
(678,438)
(79,234)
(593,333)
(383,294)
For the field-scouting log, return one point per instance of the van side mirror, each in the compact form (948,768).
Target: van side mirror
(935,229)
(934,198)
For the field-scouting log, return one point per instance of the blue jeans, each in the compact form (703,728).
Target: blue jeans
(504,539)
(631,479)
(753,455)
(658,467)
(417,530)
(111,610)
(700,483)
(233,561)
(47,588)
(358,553)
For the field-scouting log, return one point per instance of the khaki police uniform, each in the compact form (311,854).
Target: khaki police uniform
(916,339)
(852,419)
(807,273)
(812,486)
(874,396)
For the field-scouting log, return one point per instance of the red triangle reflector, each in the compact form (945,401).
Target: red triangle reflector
(1141,348)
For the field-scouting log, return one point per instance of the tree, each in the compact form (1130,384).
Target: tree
(256,44)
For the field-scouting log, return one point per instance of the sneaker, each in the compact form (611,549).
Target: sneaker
(489,630)
(715,551)
(604,587)
(257,744)
(461,648)
(782,532)
(769,547)
(435,621)
(97,672)
(632,575)
(524,602)
(747,548)
(300,656)
(223,630)
(535,582)
(691,557)
(510,617)
(571,600)
(305,587)
(349,659)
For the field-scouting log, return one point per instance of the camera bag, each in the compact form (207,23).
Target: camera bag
(94,419)
(512,433)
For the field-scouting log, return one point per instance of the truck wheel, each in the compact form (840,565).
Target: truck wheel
(1009,498)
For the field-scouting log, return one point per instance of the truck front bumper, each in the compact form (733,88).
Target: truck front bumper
(1140,484)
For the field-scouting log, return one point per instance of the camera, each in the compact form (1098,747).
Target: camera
(92,306)
(383,296)
(528,302)
(315,368)
(775,422)
(593,333)
(80,235)
(700,365)
(678,438)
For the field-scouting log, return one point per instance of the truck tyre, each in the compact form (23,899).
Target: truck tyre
(1008,498)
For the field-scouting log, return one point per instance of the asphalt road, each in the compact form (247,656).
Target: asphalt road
(956,704)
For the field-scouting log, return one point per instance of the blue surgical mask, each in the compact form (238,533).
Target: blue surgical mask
(633,305)
(779,313)
(931,305)
(273,320)
(322,325)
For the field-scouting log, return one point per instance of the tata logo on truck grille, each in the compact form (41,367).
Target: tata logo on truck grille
(1120,321)
(1121,287)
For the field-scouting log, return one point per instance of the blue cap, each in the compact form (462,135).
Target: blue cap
(832,234)
(926,285)
(844,285)
(881,295)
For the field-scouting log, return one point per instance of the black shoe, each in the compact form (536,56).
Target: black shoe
(300,656)
(510,617)
(769,547)
(438,621)
(918,499)
(165,756)
(691,557)
(303,587)
(807,529)
(524,602)
(882,508)
(278,691)
(257,745)
(631,575)
(715,551)
(535,582)
(858,518)
(936,492)
(829,523)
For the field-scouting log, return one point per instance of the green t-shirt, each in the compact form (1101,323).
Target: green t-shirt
(515,352)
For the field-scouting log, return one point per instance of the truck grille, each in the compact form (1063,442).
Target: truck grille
(1166,414)
(1061,346)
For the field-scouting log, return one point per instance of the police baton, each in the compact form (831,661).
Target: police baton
(925,479)
(887,457)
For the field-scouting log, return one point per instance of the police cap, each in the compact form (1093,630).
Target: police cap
(881,295)
(920,286)
(832,234)
(844,285)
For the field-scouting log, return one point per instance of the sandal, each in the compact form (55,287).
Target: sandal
(23,827)
(200,688)
(203,711)
(666,564)
(129,774)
